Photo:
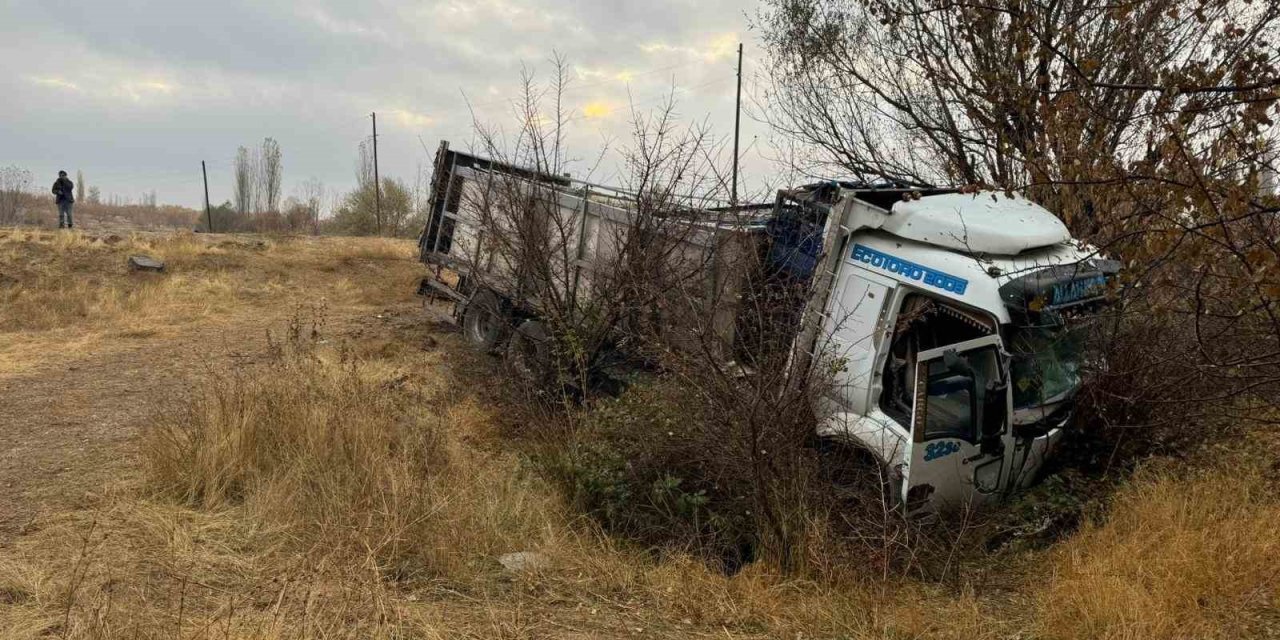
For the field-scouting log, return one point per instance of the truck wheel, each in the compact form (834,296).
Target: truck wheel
(485,322)
(854,473)
(529,352)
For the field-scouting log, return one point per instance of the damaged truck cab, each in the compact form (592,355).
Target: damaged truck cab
(954,323)
(952,320)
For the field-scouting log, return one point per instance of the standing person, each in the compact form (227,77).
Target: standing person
(64,194)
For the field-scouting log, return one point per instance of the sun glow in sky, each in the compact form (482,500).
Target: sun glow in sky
(597,109)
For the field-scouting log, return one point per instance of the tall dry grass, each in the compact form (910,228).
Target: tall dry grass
(1180,555)
(353,458)
(314,490)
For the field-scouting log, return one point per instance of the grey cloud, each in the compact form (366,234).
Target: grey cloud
(137,92)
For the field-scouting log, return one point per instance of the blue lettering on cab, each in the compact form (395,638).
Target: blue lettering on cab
(935,450)
(910,270)
(1078,290)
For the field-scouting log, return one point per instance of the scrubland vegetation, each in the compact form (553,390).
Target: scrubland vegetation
(363,475)
(363,480)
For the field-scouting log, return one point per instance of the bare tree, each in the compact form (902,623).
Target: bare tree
(79,185)
(312,197)
(364,164)
(397,206)
(15,184)
(270,174)
(366,180)
(1146,125)
(920,91)
(245,188)
(95,195)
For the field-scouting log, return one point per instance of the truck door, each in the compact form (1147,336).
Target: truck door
(960,429)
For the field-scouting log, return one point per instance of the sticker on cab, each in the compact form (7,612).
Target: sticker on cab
(910,270)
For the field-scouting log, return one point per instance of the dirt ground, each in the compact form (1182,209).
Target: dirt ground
(73,403)
(68,427)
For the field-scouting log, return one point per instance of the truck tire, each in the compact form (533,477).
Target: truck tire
(485,322)
(529,353)
(854,473)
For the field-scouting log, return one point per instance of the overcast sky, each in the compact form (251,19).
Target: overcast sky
(137,92)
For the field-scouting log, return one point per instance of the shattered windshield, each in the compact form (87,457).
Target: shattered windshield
(1046,361)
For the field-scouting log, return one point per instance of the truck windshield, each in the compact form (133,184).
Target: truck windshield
(1046,361)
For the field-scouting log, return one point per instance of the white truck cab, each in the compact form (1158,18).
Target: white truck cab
(951,318)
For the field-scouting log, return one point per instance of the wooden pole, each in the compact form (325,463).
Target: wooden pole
(737,129)
(377,187)
(208,213)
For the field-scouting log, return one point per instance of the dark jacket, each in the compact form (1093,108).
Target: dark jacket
(64,189)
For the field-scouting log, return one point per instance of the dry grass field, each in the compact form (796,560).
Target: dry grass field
(276,439)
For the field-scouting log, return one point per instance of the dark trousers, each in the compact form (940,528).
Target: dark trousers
(64,215)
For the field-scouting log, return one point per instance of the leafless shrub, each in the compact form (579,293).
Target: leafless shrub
(607,266)
(15,184)
(718,450)
(311,197)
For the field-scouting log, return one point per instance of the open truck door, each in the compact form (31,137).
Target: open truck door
(960,427)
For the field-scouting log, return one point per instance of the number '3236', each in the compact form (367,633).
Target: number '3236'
(943,449)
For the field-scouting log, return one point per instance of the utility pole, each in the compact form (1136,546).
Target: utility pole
(377,186)
(208,213)
(737,128)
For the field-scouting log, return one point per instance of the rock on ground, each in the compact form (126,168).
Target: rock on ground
(145,263)
(523,561)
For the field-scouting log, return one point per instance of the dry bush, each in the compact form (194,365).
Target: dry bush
(613,264)
(322,447)
(727,470)
(14,185)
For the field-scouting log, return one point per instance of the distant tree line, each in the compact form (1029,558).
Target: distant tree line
(402,211)
(257,203)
